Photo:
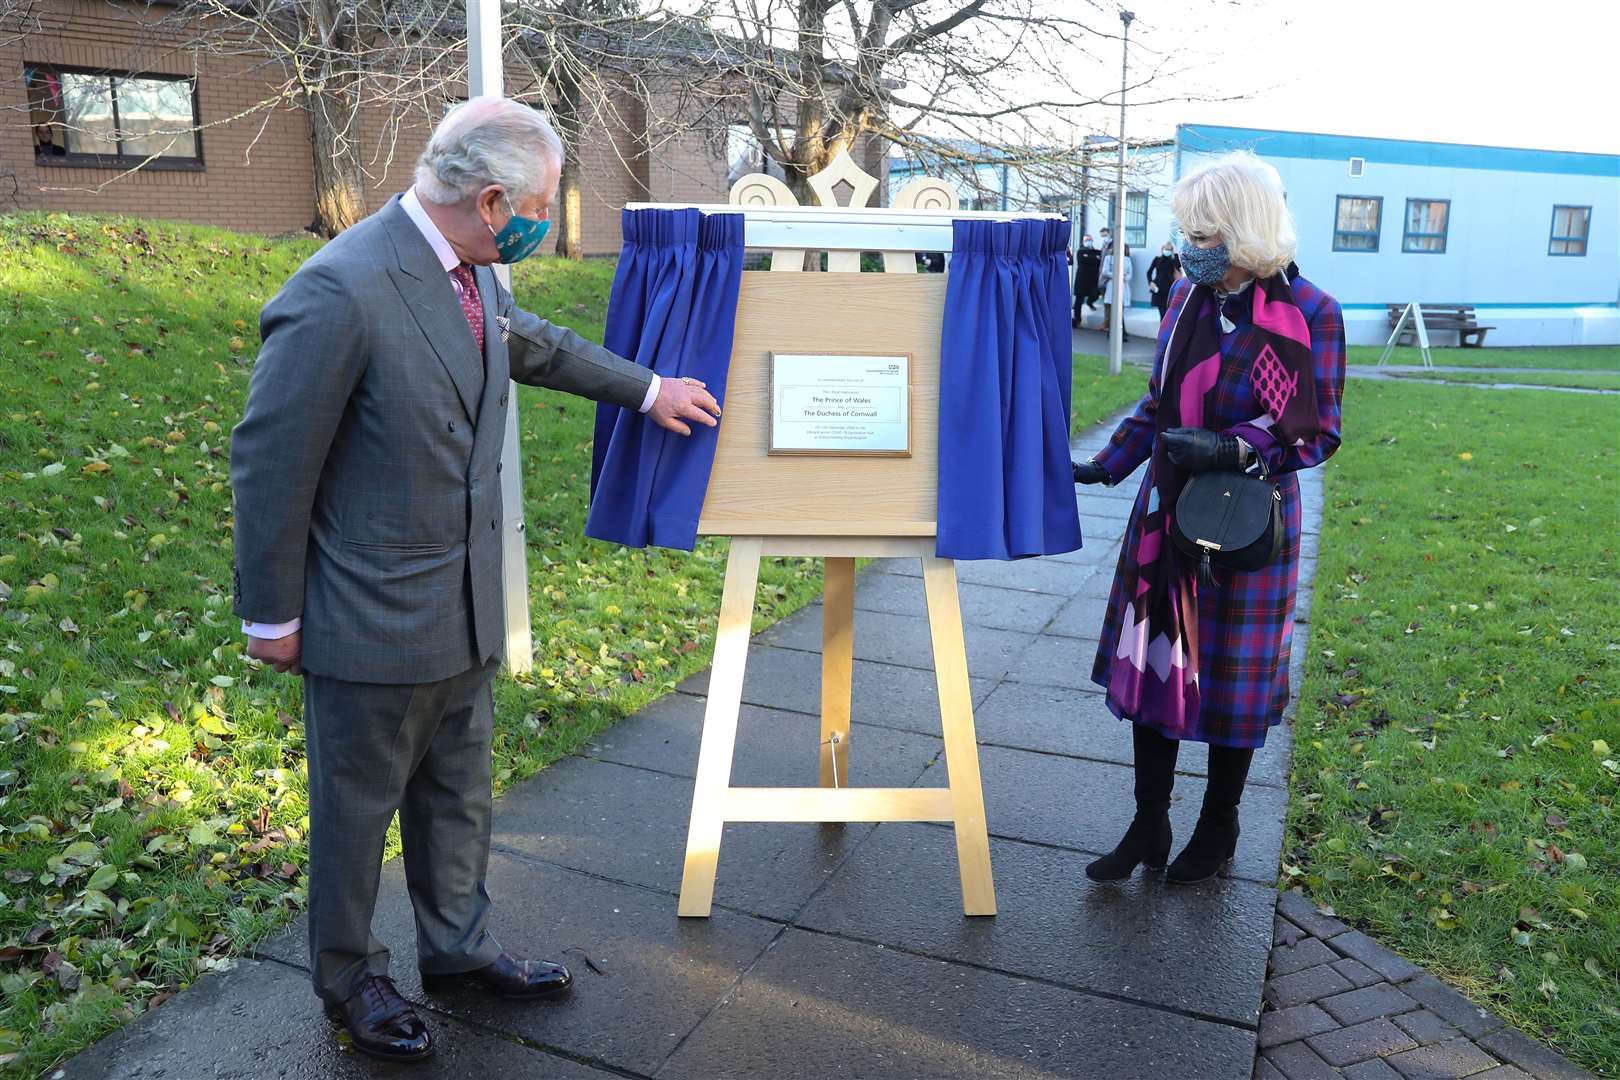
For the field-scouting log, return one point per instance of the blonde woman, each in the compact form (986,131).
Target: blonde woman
(1248,376)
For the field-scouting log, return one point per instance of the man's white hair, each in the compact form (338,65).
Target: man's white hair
(1240,199)
(483,141)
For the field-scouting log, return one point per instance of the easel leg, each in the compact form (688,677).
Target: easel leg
(720,726)
(837,668)
(961,742)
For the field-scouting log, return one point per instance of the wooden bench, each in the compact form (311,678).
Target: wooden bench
(1455,317)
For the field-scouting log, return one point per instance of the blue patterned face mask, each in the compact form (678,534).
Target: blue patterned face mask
(1204,266)
(519,236)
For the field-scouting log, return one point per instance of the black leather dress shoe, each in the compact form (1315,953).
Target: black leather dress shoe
(509,977)
(383,1024)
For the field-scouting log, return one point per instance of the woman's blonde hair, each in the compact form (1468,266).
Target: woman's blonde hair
(1240,199)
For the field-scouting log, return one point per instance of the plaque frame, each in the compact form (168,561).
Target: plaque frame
(772,450)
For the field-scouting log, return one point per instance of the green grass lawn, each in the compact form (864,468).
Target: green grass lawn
(1593,380)
(1098,395)
(1457,763)
(152,789)
(1565,358)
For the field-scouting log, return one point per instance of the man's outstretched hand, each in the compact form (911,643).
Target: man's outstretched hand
(282,653)
(683,401)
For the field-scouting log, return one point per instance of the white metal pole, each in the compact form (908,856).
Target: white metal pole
(484,76)
(1116,325)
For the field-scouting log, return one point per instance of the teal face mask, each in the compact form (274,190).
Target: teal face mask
(520,236)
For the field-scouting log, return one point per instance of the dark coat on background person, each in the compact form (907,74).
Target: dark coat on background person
(1162,272)
(1087,266)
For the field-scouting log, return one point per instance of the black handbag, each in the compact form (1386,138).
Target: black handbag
(1228,519)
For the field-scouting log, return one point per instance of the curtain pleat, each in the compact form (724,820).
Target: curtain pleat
(1006,490)
(673,309)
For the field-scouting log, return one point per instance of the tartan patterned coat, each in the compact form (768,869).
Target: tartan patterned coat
(1246,623)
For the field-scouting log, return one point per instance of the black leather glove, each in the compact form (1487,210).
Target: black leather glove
(1089,472)
(1200,450)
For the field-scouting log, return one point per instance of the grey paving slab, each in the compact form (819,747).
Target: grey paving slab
(1196,950)
(982,605)
(1099,524)
(1516,1048)
(1087,805)
(1081,617)
(902,639)
(1055,661)
(774,748)
(261,1020)
(1101,554)
(816,1007)
(1076,722)
(630,825)
(791,679)
(1036,575)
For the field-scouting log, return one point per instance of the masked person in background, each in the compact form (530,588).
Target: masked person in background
(1087,267)
(368,545)
(1163,273)
(1116,280)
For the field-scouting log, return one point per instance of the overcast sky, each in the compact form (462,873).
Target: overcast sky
(1495,72)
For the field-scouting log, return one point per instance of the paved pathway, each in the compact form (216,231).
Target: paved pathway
(833,951)
(1410,373)
(1339,1006)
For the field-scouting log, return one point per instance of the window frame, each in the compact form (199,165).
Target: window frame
(163,163)
(1407,233)
(1585,238)
(1376,233)
(1130,229)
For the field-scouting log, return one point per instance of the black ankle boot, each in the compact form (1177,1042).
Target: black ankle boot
(1210,851)
(1214,839)
(1148,838)
(1146,842)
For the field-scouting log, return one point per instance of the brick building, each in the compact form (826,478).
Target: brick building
(124,78)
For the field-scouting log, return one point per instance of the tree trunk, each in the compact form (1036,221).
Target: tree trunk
(334,132)
(339,192)
(566,111)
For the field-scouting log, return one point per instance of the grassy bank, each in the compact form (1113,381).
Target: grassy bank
(1565,358)
(1457,762)
(1098,395)
(152,790)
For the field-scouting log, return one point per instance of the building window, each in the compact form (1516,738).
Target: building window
(1426,223)
(745,154)
(1358,166)
(1355,225)
(1570,225)
(1136,207)
(106,118)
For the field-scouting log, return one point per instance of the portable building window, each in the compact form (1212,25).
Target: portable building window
(1426,223)
(1356,221)
(1570,225)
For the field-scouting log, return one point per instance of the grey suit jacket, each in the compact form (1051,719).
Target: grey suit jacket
(364,467)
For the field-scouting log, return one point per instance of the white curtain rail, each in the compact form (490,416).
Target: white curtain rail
(837,228)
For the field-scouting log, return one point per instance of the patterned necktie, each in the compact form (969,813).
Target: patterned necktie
(472,305)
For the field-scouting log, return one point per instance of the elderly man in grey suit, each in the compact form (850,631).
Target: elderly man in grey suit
(368,545)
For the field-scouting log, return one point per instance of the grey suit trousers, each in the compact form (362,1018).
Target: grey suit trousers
(423,750)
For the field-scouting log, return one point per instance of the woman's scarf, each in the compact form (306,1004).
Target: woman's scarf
(1155,668)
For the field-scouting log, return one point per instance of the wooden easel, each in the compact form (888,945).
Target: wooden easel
(840,509)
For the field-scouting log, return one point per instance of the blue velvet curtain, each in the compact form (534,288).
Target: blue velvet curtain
(1006,490)
(673,308)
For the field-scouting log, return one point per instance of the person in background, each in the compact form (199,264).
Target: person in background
(1087,267)
(1117,286)
(1163,273)
(1248,375)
